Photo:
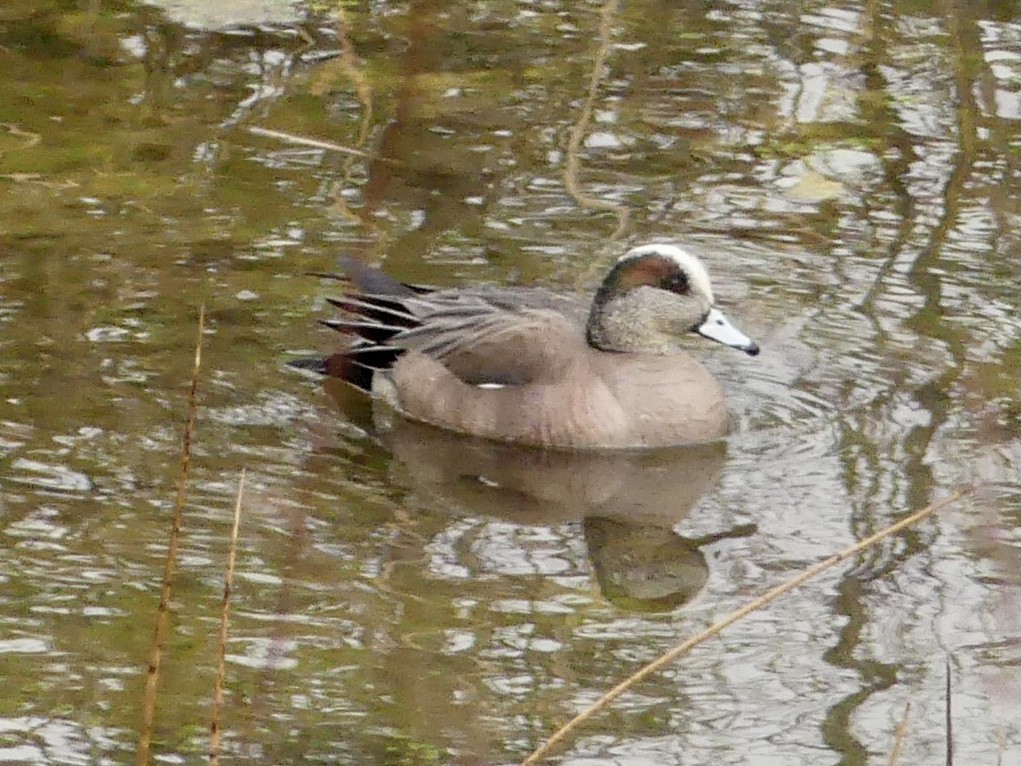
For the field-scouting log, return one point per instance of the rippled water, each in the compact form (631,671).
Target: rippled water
(850,174)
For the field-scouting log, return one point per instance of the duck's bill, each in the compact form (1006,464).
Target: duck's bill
(718,328)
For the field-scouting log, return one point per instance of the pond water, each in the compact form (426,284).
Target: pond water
(851,173)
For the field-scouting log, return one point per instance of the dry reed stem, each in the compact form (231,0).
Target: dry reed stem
(949,718)
(314,143)
(166,591)
(898,735)
(578,130)
(221,668)
(771,595)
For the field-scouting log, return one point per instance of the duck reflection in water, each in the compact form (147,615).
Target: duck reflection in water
(627,502)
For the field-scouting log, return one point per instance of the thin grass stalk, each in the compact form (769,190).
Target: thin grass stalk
(215,729)
(170,565)
(718,627)
(899,734)
(949,718)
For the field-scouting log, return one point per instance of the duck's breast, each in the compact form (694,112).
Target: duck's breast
(666,400)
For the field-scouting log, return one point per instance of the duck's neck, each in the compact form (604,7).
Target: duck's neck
(624,323)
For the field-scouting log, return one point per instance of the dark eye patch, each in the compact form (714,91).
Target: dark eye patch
(650,270)
(675,281)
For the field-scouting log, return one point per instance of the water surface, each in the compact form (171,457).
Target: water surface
(850,173)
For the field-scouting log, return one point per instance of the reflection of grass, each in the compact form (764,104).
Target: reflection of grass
(814,141)
(405,751)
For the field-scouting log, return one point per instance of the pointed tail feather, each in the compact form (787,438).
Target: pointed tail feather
(311,363)
(375,312)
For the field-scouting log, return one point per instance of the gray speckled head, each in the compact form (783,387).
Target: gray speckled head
(653,296)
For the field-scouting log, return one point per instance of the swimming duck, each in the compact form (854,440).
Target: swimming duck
(535,367)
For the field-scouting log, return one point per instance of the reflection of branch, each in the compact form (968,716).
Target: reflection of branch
(578,131)
(349,65)
(876,56)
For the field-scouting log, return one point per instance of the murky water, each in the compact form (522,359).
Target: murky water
(852,175)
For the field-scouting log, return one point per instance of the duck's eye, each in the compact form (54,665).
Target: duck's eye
(675,282)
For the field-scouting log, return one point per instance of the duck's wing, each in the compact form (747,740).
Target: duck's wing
(502,337)
(505,336)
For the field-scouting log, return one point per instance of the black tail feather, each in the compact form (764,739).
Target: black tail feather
(371,331)
(375,282)
(376,357)
(376,311)
(381,310)
(310,363)
(349,370)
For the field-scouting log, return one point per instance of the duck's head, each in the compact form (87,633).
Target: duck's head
(653,296)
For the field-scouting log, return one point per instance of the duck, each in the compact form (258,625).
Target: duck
(538,368)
